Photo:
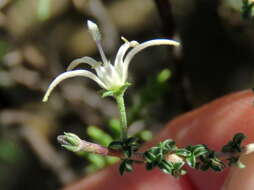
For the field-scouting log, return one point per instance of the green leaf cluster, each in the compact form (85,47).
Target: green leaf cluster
(197,156)
(128,147)
(233,147)
(209,160)
(126,166)
(155,158)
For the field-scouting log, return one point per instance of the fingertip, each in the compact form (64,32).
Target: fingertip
(213,124)
(241,179)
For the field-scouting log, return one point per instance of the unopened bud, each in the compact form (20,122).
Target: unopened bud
(70,141)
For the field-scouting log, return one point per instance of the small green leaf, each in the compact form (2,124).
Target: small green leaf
(238,138)
(234,146)
(131,140)
(217,165)
(191,161)
(150,166)
(178,165)
(125,166)
(166,166)
(115,145)
(168,144)
(127,152)
(199,150)
(149,156)
(183,152)
(128,166)
(122,168)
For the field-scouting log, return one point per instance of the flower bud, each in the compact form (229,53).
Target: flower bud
(70,141)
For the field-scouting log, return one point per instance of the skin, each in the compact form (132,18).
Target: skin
(213,124)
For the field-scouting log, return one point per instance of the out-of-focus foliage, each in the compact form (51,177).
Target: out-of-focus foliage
(153,90)
(10,152)
(244,7)
(101,137)
(96,161)
(44,9)
(3,48)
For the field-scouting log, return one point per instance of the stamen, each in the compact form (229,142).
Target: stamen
(88,60)
(124,39)
(103,56)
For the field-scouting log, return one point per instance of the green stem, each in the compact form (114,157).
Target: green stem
(120,102)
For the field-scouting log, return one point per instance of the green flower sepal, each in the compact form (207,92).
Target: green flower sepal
(116,92)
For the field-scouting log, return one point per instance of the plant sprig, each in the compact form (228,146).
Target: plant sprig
(166,155)
(171,159)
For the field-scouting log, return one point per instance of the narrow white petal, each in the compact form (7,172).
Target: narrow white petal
(88,60)
(138,48)
(123,49)
(121,52)
(120,56)
(103,56)
(94,30)
(70,74)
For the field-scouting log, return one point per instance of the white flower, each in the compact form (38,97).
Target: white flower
(108,76)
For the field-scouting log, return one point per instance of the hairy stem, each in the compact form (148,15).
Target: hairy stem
(121,106)
(86,146)
(73,143)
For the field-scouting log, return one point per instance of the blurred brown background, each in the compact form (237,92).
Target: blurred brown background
(39,38)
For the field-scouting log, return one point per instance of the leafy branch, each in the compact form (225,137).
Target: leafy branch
(166,155)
